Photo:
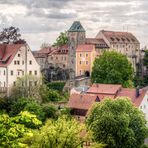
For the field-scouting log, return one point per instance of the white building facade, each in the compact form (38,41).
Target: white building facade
(16,60)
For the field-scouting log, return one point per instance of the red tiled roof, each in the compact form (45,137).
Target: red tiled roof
(100,43)
(104,89)
(137,101)
(127,92)
(85,48)
(122,37)
(81,101)
(59,50)
(7,53)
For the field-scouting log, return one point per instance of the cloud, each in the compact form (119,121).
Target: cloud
(43,20)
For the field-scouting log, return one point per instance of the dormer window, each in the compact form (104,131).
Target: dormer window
(112,38)
(19,55)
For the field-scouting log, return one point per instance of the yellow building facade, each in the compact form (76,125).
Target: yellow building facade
(85,56)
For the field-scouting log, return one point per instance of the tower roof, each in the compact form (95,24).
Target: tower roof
(76,27)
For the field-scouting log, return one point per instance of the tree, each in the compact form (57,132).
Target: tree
(62,39)
(145,60)
(112,68)
(62,133)
(14,129)
(27,86)
(117,123)
(11,35)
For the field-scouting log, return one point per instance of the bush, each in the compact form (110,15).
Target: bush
(36,109)
(56,86)
(50,111)
(18,106)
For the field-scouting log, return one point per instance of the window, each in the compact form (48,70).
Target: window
(11,72)
(4,84)
(86,62)
(30,72)
(80,55)
(80,62)
(80,72)
(18,62)
(22,72)
(56,58)
(19,55)
(86,55)
(30,83)
(35,72)
(18,73)
(22,62)
(14,62)
(30,62)
(65,58)
(35,83)
(4,72)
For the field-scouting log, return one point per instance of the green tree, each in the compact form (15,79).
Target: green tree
(62,133)
(27,86)
(145,60)
(117,123)
(14,129)
(62,39)
(112,68)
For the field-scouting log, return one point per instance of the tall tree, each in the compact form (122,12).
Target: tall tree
(112,68)
(62,39)
(118,124)
(11,35)
(62,133)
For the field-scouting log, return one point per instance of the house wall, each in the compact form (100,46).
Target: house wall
(23,63)
(3,73)
(144,106)
(60,60)
(84,62)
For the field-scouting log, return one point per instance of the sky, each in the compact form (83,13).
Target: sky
(41,21)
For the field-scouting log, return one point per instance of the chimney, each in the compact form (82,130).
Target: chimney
(137,92)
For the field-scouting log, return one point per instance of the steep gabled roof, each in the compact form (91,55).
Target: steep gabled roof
(108,89)
(121,37)
(76,27)
(100,43)
(81,101)
(7,53)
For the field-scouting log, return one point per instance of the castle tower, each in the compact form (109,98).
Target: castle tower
(76,36)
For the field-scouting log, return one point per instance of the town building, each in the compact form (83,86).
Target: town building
(123,42)
(85,56)
(16,60)
(41,57)
(98,92)
(58,57)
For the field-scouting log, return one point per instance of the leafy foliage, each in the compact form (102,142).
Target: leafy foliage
(24,89)
(118,124)
(62,39)
(11,35)
(62,133)
(112,68)
(145,60)
(56,85)
(14,129)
